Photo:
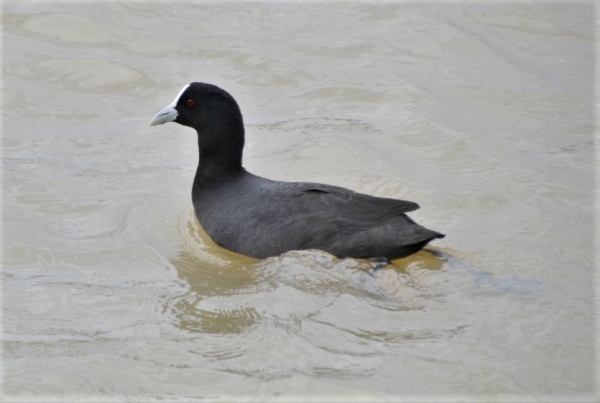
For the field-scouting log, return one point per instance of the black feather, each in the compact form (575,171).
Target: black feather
(259,217)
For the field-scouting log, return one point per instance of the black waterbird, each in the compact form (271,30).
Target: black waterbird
(259,217)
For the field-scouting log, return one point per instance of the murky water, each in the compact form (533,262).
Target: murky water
(483,114)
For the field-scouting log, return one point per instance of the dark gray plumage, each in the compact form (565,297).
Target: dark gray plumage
(259,217)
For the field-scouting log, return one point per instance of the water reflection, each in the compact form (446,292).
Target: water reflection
(230,293)
(306,312)
(195,310)
(213,274)
(481,113)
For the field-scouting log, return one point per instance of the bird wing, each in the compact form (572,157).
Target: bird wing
(354,204)
(283,216)
(341,219)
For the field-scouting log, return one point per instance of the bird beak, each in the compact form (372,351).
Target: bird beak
(168,114)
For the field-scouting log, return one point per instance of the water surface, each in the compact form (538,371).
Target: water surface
(483,114)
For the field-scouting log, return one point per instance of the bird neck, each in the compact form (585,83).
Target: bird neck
(220,153)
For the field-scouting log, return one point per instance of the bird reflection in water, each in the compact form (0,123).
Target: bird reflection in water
(227,290)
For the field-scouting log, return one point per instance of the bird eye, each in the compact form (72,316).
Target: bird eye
(190,103)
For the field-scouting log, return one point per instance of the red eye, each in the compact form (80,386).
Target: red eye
(190,103)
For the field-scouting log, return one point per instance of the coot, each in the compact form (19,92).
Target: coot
(259,217)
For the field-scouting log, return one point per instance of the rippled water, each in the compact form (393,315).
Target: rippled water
(483,114)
